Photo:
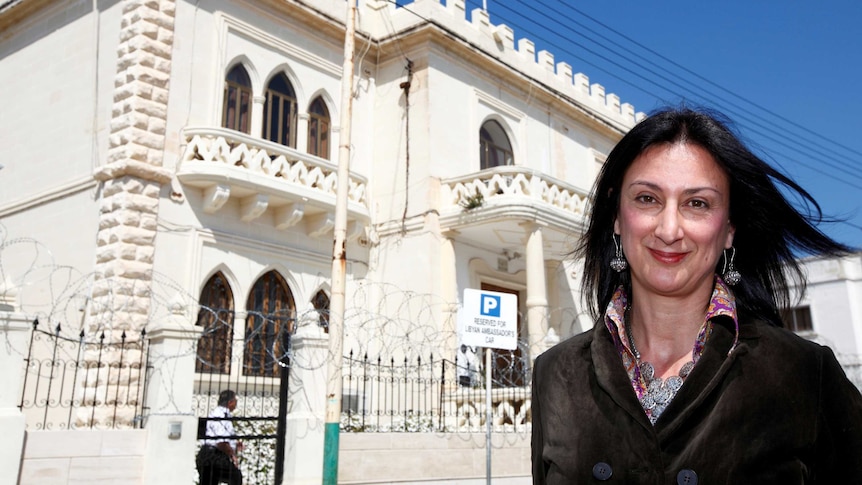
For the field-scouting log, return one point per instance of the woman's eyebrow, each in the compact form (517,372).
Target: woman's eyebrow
(656,187)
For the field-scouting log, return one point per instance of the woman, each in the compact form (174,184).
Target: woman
(687,376)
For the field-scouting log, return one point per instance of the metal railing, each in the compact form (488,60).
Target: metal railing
(85,381)
(421,395)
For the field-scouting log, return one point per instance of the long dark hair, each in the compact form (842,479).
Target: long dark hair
(769,230)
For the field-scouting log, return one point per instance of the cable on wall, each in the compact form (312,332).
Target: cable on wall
(405,86)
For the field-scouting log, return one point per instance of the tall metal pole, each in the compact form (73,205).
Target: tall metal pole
(487,416)
(339,262)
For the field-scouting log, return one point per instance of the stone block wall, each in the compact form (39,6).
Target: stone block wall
(84,457)
(432,458)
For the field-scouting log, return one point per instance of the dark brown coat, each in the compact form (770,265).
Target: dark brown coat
(777,410)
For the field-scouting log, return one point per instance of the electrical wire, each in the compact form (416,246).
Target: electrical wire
(788,139)
(710,82)
(668,79)
(765,131)
(558,25)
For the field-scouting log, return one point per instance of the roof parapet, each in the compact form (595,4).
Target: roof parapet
(499,41)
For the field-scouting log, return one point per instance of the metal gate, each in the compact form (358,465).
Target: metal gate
(260,417)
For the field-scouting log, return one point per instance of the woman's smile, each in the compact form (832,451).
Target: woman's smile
(667,257)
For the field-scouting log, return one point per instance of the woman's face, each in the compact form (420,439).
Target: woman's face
(674,219)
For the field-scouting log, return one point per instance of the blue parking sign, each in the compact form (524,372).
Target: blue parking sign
(490,305)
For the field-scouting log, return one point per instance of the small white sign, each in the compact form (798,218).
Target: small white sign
(489,319)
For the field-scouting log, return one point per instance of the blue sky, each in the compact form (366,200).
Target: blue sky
(787,73)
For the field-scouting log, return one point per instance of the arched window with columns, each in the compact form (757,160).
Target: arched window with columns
(318,128)
(280,111)
(215,316)
(494,147)
(237,100)
(270,321)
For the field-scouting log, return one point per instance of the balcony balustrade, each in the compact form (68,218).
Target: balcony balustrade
(497,206)
(505,185)
(264,175)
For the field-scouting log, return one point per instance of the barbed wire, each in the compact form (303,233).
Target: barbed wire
(382,321)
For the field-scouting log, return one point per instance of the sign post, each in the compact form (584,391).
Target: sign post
(488,319)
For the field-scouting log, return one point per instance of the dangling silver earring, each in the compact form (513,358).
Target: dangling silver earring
(731,275)
(618,262)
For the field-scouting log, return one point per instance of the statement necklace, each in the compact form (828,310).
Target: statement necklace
(659,392)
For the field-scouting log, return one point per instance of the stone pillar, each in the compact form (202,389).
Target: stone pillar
(302,133)
(14,334)
(537,295)
(170,423)
(303,460)
(132,177)
(334,139)
(257,112)
(449,290)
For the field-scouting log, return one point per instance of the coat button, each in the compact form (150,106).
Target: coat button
(686,477)
(602,471)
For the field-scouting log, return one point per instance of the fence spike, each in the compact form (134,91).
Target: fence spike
(57,330)
(35,323)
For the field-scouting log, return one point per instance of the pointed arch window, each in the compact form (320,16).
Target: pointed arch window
(216,317)
(237,100)
(271,312)
(280,111)
(494,147)
(318,128)
(321,305)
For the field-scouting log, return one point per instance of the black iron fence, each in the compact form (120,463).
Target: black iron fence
(83,381)
(421,395)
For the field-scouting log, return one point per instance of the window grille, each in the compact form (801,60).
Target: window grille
(318,129)
(321,304)
(280,112)
(237,100)
(494,147)
(216,316)
(271,313)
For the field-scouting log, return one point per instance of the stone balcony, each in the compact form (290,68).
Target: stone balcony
(503,199)
(265,176)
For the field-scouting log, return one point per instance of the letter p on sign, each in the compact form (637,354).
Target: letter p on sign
(490,305)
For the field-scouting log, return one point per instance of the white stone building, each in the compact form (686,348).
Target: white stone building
(192,162)
(181,155)
(830,311)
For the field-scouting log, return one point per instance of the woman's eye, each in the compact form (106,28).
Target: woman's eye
(699,204)
(645,199)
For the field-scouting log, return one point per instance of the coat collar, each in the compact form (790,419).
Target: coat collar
(721,351)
